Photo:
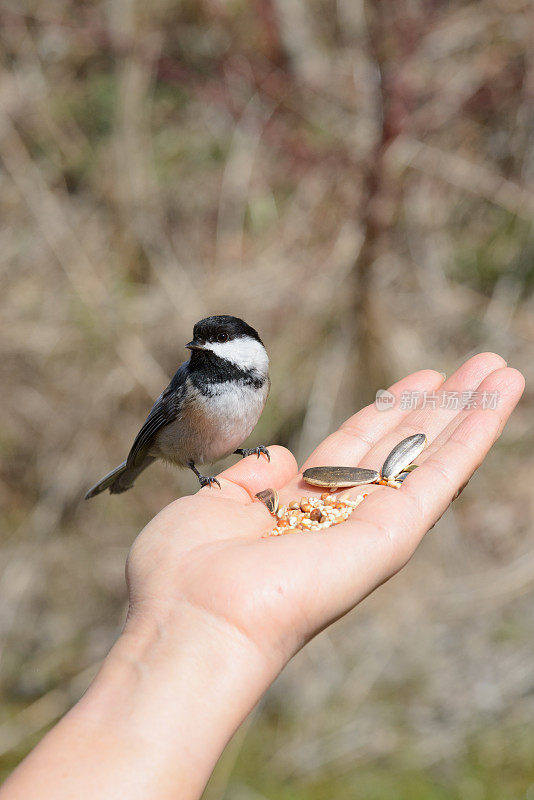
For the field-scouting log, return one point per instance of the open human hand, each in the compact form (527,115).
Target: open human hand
(208,553)
(217,609)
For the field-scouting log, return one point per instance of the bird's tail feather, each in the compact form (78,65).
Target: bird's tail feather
(119,479)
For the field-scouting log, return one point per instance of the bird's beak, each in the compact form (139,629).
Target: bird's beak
(194,344)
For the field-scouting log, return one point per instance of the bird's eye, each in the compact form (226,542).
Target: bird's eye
(222,337)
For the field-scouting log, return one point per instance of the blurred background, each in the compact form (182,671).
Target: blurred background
(355,179)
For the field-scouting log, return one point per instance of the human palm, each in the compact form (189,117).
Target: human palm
(208,552)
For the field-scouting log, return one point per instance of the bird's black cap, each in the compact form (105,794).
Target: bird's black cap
(209,329)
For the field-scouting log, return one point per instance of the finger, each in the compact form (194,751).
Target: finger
(242,480)
(432,418)
(361,432)
(495,385)
(449,466)
(214,514)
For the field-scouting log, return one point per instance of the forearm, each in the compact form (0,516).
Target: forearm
(155,720)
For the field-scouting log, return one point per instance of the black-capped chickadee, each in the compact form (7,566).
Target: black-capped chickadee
(209,408)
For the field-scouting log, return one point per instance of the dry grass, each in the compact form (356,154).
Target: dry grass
(359,184)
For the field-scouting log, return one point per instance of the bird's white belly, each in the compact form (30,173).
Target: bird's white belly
(232,417)
(211,427)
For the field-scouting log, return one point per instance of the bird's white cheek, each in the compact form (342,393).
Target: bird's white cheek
(243,352)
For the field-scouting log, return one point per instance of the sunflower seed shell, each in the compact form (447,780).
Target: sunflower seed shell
(403,454)
(269,497)
(340,477)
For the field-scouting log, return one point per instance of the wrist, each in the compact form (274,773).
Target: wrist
(172,691)
(168,697)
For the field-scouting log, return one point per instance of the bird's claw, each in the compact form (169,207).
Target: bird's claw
(208,481)
(250,451)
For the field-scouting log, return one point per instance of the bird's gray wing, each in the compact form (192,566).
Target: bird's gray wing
(165,410)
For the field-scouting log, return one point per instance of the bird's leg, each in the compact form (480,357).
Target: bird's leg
(203,480)
(250,451)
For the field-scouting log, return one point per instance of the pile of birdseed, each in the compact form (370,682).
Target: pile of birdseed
(314,513)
